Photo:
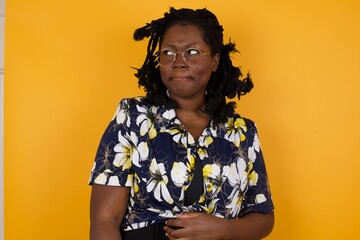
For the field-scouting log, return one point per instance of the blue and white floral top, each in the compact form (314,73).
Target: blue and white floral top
(148,149)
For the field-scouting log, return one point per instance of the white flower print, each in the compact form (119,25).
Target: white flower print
(260,198)
(116,112)
(102,177)
(169,114)
(122,114)
(114,181)
(204,142)
(130,181)
(163,213)
(178,173)
(254,149)
(252,154)
(256,144)
(157,182)
(237,175)
(238,180)
(136,226)
(142,153)
(129,152)
(146,121)
(181,135)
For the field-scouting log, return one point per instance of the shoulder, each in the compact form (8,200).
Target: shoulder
(248,127)
(131,105)
(243,122)
(134,101)
(137,109)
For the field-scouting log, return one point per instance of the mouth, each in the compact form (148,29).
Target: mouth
(180,78)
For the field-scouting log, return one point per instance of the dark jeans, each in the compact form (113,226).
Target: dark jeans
(152,232)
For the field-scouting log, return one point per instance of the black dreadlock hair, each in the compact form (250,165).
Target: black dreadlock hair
(224,82)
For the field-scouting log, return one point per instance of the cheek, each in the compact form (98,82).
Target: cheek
(164,73)
(204,74)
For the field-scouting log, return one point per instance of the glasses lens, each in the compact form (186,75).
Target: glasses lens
(166,57)
(192,56)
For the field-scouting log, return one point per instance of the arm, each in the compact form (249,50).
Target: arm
(252,226)
(107,209)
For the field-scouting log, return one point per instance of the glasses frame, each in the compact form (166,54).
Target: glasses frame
(182,55)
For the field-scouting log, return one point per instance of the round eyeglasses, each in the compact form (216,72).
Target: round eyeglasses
(191,56)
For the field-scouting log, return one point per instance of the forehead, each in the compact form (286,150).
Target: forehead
(183,34)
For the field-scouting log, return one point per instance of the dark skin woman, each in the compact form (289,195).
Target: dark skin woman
(191,73)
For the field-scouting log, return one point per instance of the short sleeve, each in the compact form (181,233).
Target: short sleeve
(258,197)
(112,165)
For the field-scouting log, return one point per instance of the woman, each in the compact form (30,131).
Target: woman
(179,163)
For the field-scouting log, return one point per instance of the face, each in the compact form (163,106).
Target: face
(181,80)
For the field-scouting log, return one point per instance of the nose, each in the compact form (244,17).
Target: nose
(179,61)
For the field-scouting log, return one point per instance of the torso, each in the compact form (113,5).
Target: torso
(152,150)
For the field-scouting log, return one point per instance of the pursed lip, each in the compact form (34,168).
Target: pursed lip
(180,77)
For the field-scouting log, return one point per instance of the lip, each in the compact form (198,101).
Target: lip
(180,78)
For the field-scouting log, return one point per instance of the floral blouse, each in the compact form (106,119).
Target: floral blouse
(148,149)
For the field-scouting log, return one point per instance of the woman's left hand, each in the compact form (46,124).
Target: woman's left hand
(195,225)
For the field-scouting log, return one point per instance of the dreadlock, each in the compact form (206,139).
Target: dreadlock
(225,82)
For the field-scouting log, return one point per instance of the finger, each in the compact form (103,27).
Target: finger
(168,232)
(172,233)
(173,238)
(174,223)
(169,237)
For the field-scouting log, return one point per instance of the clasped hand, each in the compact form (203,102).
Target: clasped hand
(195,225)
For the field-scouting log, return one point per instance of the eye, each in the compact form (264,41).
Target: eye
(192,52)
(167,52)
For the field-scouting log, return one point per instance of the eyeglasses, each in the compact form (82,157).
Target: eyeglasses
(191,56)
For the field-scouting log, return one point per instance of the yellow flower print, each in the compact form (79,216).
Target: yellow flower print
(253,178)
(252,175)
(212,178)
(234,130)
(240,123)
(211,207)
(206,141)
(202,153)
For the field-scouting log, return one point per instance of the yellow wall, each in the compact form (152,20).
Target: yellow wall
(67,64)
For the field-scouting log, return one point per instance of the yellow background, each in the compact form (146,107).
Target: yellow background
(68,63)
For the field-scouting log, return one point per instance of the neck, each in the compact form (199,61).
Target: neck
(191,105)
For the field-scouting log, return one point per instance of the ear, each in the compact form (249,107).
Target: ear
(215,62)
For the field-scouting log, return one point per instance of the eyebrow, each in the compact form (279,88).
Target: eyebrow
(170,45)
